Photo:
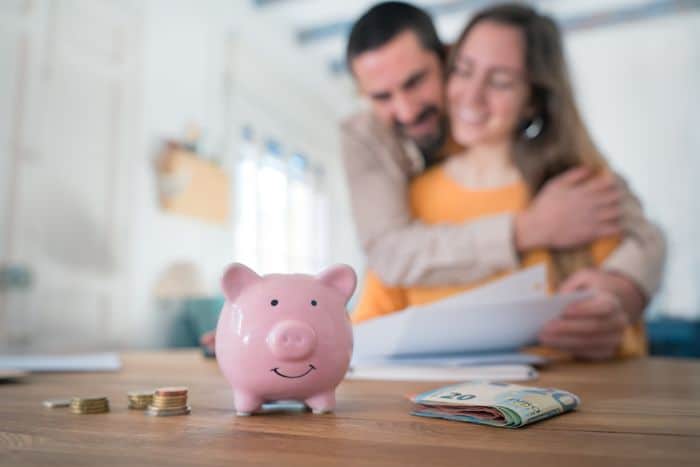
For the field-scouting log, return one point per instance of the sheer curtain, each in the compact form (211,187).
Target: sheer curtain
(281,221)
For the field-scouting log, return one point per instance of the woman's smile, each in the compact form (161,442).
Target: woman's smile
(471,116)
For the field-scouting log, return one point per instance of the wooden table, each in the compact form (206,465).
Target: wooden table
(638,413)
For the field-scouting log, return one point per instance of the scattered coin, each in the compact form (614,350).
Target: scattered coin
(139,400)
(56,403)
(89,405)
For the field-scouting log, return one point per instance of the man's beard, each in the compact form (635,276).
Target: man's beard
(429,143)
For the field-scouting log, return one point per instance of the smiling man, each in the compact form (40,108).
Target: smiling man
(397,61)
(410,100)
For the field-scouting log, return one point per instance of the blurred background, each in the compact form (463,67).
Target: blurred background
(146,144)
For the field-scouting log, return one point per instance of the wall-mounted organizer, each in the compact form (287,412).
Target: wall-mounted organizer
(193,187)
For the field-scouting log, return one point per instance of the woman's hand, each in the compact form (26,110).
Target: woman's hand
(590,329)
(572,209)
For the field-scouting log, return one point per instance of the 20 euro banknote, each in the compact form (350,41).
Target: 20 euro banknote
(495,404)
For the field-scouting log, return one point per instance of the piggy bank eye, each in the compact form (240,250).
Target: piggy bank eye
(274,302)
(314,303)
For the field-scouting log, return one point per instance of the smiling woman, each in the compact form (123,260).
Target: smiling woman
(507,75)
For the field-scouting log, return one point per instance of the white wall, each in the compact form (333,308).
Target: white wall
(184,52)
(178,47)
(639,87)
(187,52)
(70,120)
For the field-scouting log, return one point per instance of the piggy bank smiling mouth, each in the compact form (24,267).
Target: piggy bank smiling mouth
(277,372)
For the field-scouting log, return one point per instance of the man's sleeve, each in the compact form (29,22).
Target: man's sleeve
(403,251)
(642,253)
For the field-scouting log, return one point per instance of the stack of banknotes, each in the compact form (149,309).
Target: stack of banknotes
(494,404)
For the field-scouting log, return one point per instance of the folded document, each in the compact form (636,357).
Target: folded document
(504,315)
(443,373)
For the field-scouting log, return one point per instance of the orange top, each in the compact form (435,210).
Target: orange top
(436,198)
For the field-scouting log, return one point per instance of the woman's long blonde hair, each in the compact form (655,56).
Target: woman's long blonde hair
(564,141)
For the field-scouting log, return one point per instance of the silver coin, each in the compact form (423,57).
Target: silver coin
(56,403)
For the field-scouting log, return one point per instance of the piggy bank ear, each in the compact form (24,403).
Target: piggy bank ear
(236,278)
(340,277)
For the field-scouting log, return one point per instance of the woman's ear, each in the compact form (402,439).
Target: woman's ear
(235,279)
(531,109)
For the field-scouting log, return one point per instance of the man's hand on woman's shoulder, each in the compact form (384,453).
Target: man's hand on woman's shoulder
(572,209)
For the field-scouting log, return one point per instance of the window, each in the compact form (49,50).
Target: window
(280,210)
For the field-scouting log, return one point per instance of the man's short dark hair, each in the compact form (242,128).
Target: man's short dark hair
(384,21)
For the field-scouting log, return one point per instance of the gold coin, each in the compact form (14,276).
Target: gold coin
(82,402)
(172,391)
(141,393)
(88,406)
(173,406)
(89,399)
(165,406)
(154,412)
(89,411)
(169,398)
(140,401)
(169,402)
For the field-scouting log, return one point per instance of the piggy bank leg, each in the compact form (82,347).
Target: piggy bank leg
(246,403)
(322,403)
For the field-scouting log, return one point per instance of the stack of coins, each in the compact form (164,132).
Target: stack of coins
(88,405)
(169,401)
(139,400)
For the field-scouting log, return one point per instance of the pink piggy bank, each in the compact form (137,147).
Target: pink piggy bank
(285,336)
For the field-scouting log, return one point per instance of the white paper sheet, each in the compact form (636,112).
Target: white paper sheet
(108,361)
(504,315)
(527,283)
(452,360)
(422,373)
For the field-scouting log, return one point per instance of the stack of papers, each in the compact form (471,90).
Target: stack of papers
(440,373)
(486,327)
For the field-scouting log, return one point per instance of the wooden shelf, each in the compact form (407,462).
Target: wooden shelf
(193,187)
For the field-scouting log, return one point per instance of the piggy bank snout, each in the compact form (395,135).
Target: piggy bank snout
(291,340)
